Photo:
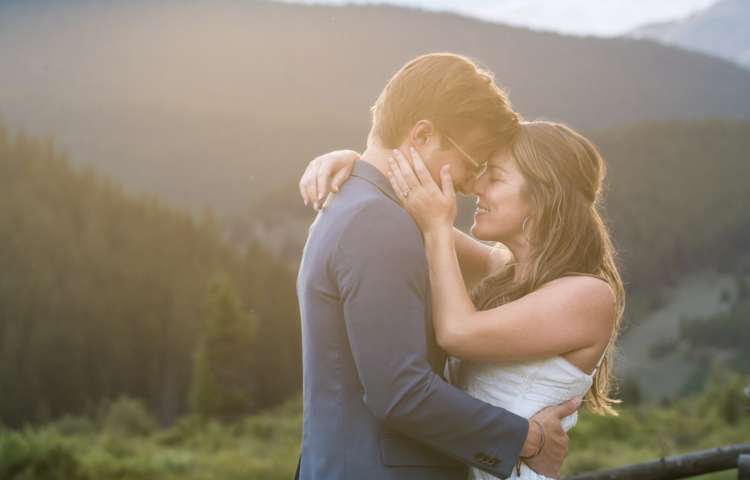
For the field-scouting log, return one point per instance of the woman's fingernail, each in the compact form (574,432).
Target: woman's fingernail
(411,149)
(320,195)
(447,168)
(391,160)
(390,174)
(306,202)
(396,152)
(334,189)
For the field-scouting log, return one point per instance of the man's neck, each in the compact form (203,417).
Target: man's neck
(377,156)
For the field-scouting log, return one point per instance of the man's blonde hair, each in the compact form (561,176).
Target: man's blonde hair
(450,91)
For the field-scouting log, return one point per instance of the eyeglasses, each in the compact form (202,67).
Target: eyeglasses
(480,167)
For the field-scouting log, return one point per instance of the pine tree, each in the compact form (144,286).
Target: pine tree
(223,386)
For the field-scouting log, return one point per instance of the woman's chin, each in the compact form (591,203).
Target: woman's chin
(482,234)
(476,231)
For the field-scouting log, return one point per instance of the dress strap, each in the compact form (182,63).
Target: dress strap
(600,361)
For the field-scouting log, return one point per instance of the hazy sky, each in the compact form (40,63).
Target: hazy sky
(578,17)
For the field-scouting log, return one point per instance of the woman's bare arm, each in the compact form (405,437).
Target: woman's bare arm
(565,315)
(476,260)
(572,315)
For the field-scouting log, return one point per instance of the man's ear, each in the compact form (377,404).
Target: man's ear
(424,134)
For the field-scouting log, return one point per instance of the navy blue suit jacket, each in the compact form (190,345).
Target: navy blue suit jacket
(376,404)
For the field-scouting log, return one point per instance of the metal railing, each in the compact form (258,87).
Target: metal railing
(681,466)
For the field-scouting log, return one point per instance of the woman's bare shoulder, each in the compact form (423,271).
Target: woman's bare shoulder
(582,293)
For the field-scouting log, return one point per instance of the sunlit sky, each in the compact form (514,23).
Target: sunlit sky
(577,17)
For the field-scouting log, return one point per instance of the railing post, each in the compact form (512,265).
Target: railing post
(743,461)
(743,467)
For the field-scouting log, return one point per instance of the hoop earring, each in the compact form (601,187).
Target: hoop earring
(523,228)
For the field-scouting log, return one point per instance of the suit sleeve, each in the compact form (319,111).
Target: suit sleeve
(383,276)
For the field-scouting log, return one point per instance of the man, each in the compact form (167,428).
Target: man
(376,403)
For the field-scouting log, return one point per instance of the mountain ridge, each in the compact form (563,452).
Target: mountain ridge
(722,30)
(218,103)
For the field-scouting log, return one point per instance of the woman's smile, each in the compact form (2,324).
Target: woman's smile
(501,210)
(481,210)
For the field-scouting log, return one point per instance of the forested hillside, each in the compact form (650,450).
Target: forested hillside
(102,294)
(218,102)
(678,197)
(727,331)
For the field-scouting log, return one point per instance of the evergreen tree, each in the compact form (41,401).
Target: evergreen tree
(223,386)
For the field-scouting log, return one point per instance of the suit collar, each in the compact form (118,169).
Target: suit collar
(370,173)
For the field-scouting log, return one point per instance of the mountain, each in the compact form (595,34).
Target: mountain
(221,102)
(722,30)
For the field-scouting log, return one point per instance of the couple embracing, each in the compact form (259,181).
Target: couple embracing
(426,351)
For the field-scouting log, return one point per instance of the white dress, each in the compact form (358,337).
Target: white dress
(523,388)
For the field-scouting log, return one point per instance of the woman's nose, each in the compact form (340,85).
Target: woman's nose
(477,186)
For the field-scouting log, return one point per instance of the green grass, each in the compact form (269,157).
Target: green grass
(263,447)
(121,444)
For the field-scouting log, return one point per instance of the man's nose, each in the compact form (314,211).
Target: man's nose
(467,186)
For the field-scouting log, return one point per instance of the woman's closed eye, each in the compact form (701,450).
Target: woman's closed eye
(496,173)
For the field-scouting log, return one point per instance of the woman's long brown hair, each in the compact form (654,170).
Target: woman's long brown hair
(563,175)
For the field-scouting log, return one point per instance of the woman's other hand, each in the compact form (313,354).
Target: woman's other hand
(314,183)
(431,207)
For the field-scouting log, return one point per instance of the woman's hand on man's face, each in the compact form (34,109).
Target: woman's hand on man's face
(431,207)
(314,183)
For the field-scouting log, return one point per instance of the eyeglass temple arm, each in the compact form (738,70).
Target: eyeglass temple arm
(473,162)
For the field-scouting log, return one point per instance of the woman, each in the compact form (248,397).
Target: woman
(531,319)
